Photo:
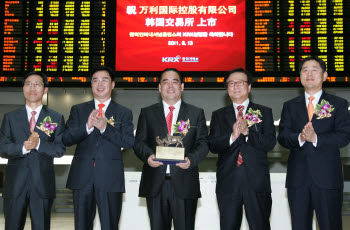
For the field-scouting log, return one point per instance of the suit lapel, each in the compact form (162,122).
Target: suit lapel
(23,120)
(230,115)
(250,105)
(322,97)
(89,107)
(316,122)
(183,115)
(302,109)
(111,110)
(43,114)
(159,113)
(183,112)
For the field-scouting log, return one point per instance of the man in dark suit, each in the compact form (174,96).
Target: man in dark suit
(314,175)
(100,128)
(30,138)
(171,191)
(242,134)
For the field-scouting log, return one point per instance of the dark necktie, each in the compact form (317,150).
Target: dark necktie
(169,119)
(240,115)
(32,121)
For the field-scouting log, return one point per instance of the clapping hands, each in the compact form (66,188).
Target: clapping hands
(239,127)
(308,133)
(95,120)
(32,141)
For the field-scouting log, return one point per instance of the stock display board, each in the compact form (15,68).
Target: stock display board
(62,38)
(286,31)
(67,38)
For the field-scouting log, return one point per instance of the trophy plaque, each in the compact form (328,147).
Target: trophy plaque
(176,152)
(170,155)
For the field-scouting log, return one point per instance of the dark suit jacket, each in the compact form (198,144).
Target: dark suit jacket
(151,124)
(36,167)
(323,161)
(261,139)
(101,150)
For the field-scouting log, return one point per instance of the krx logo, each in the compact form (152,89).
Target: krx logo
(171,59)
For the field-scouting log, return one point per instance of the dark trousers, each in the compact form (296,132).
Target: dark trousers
(257,206)
(109,206)
(15,211)
(327,203)
(167,207)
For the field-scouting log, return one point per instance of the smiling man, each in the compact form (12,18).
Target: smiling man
(100,128)
(242,134)
(171,191)
(314,126)
(30,138)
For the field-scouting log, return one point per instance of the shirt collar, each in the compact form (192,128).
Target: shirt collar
(316,95)
(176,105)
(106,104)
(245,104)
(37,110)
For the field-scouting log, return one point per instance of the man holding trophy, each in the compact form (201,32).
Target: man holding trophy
(170,179)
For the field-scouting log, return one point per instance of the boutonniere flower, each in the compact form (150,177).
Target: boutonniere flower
(110,121)
(47,126)
(253,117)
(182,127)
(323,109)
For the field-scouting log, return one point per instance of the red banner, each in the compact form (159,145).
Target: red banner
(190,35)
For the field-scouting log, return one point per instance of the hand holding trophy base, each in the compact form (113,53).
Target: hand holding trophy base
(170,155)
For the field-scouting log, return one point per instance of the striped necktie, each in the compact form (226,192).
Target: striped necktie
(169,119)
(240,115)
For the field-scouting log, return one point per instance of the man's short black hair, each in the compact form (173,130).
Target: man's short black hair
(171,69)
(319,60)
(110,71)
(239,70)
(42,75)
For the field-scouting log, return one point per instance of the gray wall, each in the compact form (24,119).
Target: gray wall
(61,100)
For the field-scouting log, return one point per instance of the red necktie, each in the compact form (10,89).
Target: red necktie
(32,121)
(100,106)
(240,109)
(169,119)
(240,115)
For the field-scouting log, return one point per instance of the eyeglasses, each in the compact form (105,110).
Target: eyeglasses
(36,85)
(104,81)
(235,83)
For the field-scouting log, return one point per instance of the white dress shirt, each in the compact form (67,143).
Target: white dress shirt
(89,131)
(245,104)
(175,115)
(29,116)
(317,97)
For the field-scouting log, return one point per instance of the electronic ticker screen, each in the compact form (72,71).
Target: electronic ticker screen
(203,38)
(286,31)
(190,35)
(62,38)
